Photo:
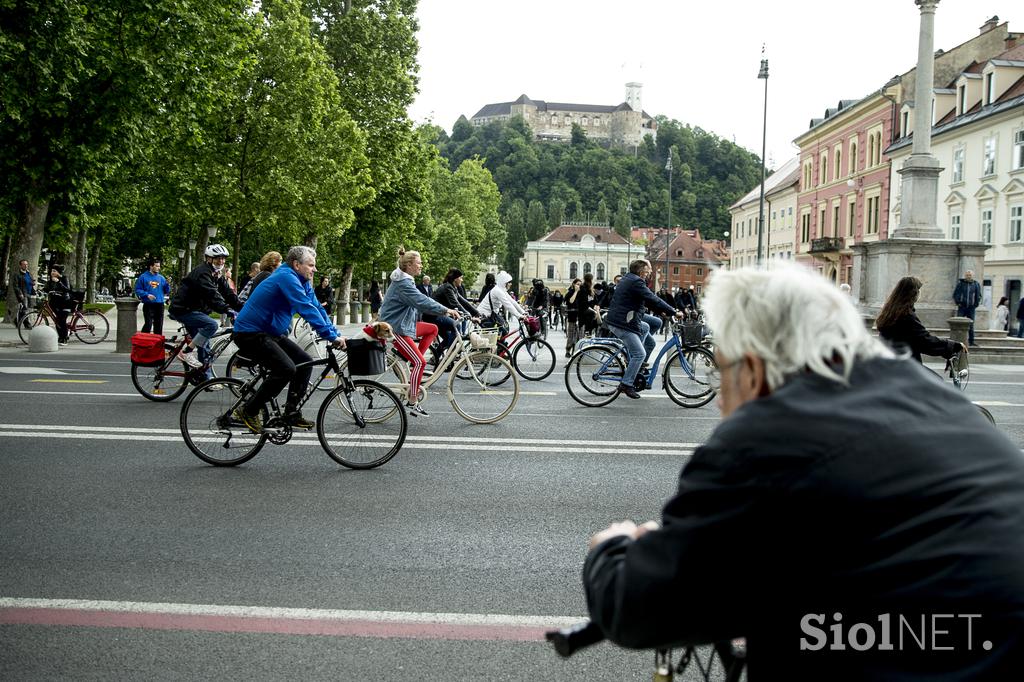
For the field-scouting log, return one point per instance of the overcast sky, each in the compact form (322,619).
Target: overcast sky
(698,61)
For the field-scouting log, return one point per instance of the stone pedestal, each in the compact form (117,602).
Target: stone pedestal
(354,312)
(921,198)
(342,311)
(42,339)
(958,329)
(127,323)
(938,263)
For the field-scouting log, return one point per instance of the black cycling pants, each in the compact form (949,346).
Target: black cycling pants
(153,317)
(279,355)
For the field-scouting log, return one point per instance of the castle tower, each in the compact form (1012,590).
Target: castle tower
(633,95)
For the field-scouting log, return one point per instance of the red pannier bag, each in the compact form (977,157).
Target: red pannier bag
(532,325)
(147,349)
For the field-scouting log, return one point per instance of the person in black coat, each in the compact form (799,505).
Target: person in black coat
(425,287)
(58,294)
(898,324)
(324,293)
(868,492)
(447,294)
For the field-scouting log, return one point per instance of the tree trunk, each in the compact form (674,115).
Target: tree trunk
(71,269)
(82,259)
(28,241)
(97,247)
(237,254)
(343,288)
(6,266)
(311,240)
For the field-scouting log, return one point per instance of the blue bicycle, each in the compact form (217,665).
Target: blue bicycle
(595,370)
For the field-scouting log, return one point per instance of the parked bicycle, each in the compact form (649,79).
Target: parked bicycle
(361,424)
(595,370)
(88,326)
(721,661)
(167,380)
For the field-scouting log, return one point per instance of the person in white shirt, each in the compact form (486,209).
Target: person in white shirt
(498,299)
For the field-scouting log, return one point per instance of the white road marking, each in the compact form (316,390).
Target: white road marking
(31,370)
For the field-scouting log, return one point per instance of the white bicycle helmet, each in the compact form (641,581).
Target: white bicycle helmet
(214,250)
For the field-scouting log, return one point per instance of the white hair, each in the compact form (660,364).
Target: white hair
(299,254)
(790,317)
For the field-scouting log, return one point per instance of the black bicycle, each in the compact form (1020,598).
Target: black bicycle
(360,424)
(731,656)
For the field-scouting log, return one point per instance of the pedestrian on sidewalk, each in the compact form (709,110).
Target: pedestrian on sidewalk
(1020,319)
(152,289)
(967,297)
(58,293)
(1001,320)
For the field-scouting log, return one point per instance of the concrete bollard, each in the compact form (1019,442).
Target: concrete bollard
(367,316)
(42,339)
(354,312)
(127,323)
(959,328)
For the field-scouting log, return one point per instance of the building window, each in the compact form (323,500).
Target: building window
(835,221)
(986,225)
(622,270)
(872,215)
(551,272)
(574,270)
(587,268)
(822,226)
(990,88)
(839,164)
(823,168)
(600,271)
(988,163)
(961,100)
(954,226)
(853,156)
(554,120)
(675,269)
(1016,222)
(585,121)
(851,218)
(808,174)
(805,228)
(958,165)
(700,272)
(1018,149)
(904,123)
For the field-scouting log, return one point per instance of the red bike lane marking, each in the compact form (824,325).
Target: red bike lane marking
(283,626)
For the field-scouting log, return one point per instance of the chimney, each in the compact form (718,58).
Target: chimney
(989,25)
(1012,40)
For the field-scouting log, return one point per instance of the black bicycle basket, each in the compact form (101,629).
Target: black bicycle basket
(364,357)
(692,333)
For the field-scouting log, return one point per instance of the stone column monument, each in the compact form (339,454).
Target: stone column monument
(917,246)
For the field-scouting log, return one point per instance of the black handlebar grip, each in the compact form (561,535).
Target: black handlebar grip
(568,641)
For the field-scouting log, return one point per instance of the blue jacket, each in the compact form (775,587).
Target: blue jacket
(631,296)
(401,303)
(270,307)
(148,283)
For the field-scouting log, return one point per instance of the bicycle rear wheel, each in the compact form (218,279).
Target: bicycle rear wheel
(210,428)
(162,383)
(93,329)
(29,322)
(687,379)
(482,399)
(593,375)
(534,359)
(361,426)
(240,367)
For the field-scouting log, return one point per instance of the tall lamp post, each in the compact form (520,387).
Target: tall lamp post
(668,227)
(181,262)
(763,73)
(191,250)
(629,237)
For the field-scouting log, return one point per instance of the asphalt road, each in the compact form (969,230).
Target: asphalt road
(444,564)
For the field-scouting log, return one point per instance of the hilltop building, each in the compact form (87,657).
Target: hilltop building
(626,123)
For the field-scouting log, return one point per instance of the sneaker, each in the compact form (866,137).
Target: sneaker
(253,422)
(216,387)
(415,410)
(190,358)
(296,420)
(629,391)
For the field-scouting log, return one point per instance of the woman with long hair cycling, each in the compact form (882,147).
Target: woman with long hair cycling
(898,324)
(401,304)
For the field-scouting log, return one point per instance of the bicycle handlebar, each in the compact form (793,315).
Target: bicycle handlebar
(568,641)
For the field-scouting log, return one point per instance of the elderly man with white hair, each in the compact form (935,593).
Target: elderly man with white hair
(851,517)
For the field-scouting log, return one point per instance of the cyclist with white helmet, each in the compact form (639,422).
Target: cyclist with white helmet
(202,291)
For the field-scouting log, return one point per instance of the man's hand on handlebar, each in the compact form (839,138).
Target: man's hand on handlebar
(680,314)
(454,314)
(627,528)
(339,342)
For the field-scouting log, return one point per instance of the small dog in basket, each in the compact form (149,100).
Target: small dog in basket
(377,331)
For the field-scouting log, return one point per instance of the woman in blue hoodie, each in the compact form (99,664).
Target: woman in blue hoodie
(401,303)
(152,289)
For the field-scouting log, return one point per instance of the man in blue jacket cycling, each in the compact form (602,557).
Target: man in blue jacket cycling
(625,319)
(152,289)
(261,334)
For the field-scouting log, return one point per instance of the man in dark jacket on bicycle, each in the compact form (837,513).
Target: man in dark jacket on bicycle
(200,292)
(850,517)
(625,320)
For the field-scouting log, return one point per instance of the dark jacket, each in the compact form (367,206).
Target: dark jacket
(632,295)
(907,333)
(201,291)
(426,289)
(538,298)
(890,496)
(448,296)
(326,297)
(1020,310)
(58,293)
(967,294)
(23,285)
(556,299)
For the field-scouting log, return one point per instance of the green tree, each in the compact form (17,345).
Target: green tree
(516,238)
(556,213)
(536,221)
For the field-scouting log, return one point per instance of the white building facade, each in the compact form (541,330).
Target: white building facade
(573,250)
(780,201)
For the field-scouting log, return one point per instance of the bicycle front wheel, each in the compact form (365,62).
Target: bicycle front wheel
(92,327)
(210,427)
(482,399)
(687,377)
(593,375)
(534,359)
(164,382)
(361,425)
(29,322)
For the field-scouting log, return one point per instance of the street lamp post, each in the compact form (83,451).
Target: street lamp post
(629,238)
(668,228)
(763,73)
(181,261)
(191,250)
